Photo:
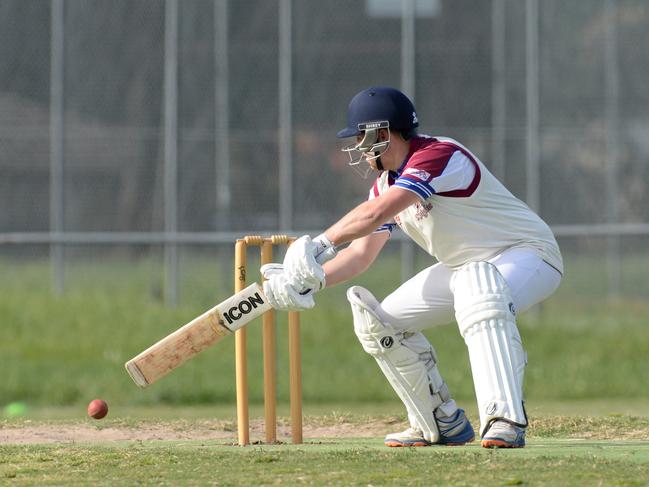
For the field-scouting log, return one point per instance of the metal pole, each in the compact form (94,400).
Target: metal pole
(285,118)
(222,129)
(532,103)
(407,259)
(222,115)
(532,174)
(498,89)
(212,238)
(57,141)
(171,148)
(408,85)
(612,149)
(408,73)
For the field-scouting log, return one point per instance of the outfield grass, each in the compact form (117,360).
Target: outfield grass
(69,349)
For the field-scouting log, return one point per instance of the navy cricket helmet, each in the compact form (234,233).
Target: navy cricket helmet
(380,104)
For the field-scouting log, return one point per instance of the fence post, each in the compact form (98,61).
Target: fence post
(612,83)
(57,142)
(285,117)
(171,149)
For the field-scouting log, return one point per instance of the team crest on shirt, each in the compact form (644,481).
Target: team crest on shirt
(418,173)
(422,210)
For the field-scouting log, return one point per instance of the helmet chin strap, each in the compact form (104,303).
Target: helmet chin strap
(379,164)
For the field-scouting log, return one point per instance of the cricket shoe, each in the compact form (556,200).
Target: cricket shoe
(502,434)
(453,431)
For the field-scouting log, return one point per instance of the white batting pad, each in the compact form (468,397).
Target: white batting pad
(485,314)
(412,372)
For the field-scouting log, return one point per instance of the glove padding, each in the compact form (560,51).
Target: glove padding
(303,262)
(280,293)
(325,249)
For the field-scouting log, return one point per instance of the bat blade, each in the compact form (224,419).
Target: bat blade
(202,332)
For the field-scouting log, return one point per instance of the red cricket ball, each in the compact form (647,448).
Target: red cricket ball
(98,408)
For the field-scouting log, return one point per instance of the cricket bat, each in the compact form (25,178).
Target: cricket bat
(197,335)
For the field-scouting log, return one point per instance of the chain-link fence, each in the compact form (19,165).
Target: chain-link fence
(155,127)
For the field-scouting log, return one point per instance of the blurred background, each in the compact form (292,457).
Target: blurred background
(139,139)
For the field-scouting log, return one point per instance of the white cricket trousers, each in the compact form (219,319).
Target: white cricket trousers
(426,299)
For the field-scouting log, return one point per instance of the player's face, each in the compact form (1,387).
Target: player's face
(377,159)
(370,145)
(383,137)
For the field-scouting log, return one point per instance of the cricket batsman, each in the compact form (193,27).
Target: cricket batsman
(494,257)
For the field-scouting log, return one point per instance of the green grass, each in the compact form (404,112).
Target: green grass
(338,463)
(586,384)
(561,450)
(66,350)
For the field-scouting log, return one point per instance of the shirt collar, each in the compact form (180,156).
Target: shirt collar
(411,150)
(397,173)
